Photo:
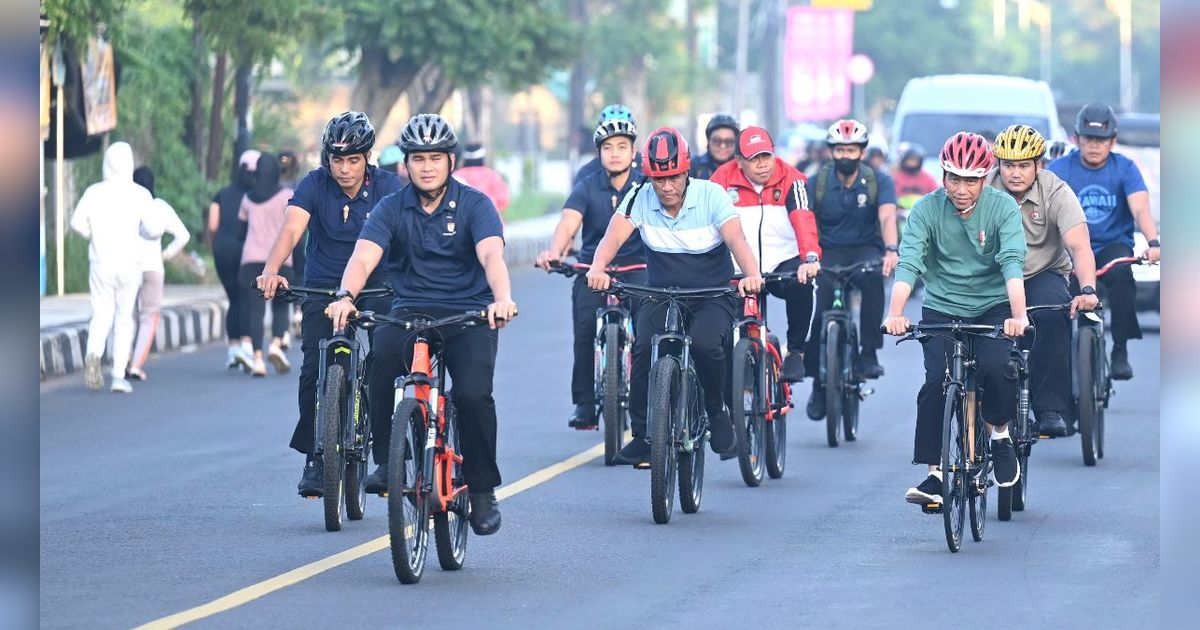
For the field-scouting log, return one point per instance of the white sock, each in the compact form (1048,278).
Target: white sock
(936,473)
(1000,435)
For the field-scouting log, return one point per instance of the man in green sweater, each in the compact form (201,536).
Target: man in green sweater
(967,241)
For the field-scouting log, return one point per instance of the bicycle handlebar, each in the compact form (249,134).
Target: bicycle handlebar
(618,288)
(573,269)
(994,331)
(294,294)
(851,269)
(420,322)
(1058,307)
(773,276)
(1117,262)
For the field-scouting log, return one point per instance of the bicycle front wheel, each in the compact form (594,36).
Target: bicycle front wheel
(408,505)
(332,455)
(747,412)
(614,381)
(776,431)
(833,381)
(691,450)
(665,386)
(853,377)
(1089,407)
(954,467)
(356,465)
(451,527)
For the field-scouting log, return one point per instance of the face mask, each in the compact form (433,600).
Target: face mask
(845,166)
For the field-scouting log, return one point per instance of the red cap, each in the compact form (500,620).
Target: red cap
(754,140)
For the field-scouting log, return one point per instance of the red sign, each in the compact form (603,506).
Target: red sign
(819,43)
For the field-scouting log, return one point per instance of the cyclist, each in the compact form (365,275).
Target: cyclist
(721,133)
(331,203)
(910,178)
(475,173)
(966,240)
(876,158)
(772,202)
(856,218)
(446,254)
(591,207)
(616,111)
(689,228)
(1056,234)
(1114,198)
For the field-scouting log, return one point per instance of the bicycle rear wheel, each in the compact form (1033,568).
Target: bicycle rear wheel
(978,479)
(665,385)
(954,465)
(833,382)
(332,455)
(691,462)
(408,505)
(613,399)
(747,412)
(451,528)
(1089,408)
(776,429)
(356,466)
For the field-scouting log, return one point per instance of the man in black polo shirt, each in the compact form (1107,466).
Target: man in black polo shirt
(445,248)
(331,203)
(591,206)
(611,113)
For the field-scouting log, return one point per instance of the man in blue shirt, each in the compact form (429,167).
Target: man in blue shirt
(445,247)
(331,203)
(1113,195)
(591,206)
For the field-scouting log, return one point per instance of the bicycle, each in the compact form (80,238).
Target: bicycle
(342,434)
(840,364)
(613,359)
(675,417)
(761,399)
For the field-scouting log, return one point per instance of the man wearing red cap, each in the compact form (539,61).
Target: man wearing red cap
(771,199)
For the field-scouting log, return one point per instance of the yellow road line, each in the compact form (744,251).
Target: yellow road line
(295,576)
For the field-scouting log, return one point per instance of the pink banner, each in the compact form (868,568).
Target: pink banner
(818,44)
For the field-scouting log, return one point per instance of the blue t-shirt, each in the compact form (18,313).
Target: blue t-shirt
(686,251)
(846,217)
(1104,194)
(596,199)
(335,221)
(432,259)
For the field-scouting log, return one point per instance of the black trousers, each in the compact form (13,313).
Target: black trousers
(1121,301)
(869,285)
(584,303)
(1049,364)
(470,356)
(798,302)
(991,375)
(709,322)
(313,328)
(227,255)
(254,307)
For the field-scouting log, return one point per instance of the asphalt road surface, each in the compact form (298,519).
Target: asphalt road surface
(183,493)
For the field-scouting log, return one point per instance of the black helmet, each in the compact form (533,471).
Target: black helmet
(721,120)
(348,133)
(909,150)
(1096,120)
(428,132)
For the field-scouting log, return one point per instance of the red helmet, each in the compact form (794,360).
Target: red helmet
(666,153)
(967,155)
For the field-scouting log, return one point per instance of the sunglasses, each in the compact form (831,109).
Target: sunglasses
(720,142)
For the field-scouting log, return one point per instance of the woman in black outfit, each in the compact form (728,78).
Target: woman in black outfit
(228,235)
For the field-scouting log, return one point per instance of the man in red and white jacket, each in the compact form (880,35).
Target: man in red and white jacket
(771,198)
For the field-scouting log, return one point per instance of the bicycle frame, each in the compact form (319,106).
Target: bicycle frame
(840,312)
(348,347)
(753,326)
(425,380)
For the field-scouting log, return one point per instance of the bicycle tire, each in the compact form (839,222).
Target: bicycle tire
(356,468)
(1006,498)
(979,481)
(747,413)
(833,382)
(664,393)
(614,378)
(408,507)
(1088,408)
(452,527)
(850,399)
(1020,488)
(953,464)
(691,463)
(332,456)
(776,433)
(1103,383)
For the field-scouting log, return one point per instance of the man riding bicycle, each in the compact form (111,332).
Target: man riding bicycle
(612,113)
(1056,233)
(591,206)
(966,240)
(772,202)
(1114,198)
(445,248)
(855,207)
(721,133)
(689,228)
(331,203)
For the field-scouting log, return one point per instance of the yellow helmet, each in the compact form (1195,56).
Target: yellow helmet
(1019,142)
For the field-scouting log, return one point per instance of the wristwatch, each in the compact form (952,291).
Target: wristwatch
(892,248)
(1153,243)
(343,294)
(811,258)
(1088,291)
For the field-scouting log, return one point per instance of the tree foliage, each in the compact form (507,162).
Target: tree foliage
(81,19)
(253,32)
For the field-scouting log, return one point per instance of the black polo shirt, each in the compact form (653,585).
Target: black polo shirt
(335,221)
(846,217)
(432,259)
(597,166)
(597,200)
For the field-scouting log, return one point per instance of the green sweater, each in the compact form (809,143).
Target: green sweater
(965,262)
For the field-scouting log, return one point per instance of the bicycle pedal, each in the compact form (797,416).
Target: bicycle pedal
(932,508)
(642,466)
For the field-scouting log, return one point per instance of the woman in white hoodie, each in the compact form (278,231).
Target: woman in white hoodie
(114,214)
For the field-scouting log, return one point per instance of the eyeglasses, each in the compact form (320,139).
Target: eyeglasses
(721,142)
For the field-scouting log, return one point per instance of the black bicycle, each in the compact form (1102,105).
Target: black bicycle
(841,370)
(675,418)
(342,435)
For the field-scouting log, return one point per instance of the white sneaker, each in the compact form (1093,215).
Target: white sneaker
(258,369)
(244,357)
(231,359)
(91,373)
(278,359)
(285,341)
(121,386)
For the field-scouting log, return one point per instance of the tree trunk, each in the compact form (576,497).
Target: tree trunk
(473,115)
(193,133)
(381,83)
(430,91)
(577,99)
(214,120)
(241,110)
(693,66)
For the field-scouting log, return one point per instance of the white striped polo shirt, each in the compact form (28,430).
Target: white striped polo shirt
(685,251)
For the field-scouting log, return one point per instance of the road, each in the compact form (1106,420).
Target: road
(184,492)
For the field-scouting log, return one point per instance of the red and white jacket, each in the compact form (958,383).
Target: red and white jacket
(778,222)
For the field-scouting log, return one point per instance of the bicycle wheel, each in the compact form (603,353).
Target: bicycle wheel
(747,410)
(450,528)
(408,505)
(852,371)
(1103,382)
(954,465)
(1019,489)
(1089,410)
(833,381)
(978,478)
(614,379)
(356,466)
(776,430)
(332,455)
(691,462)
(663,425)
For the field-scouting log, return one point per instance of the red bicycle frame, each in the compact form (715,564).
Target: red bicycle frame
(754,327)
(439,468)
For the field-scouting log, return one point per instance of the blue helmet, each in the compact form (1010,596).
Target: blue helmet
(616,111)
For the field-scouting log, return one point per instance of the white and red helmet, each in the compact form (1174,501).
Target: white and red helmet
(847,131)
(967,155)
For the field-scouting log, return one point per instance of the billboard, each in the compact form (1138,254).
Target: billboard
(818,44)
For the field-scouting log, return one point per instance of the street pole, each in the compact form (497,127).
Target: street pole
(743,33)
(1047,58)
(60,214)
(1126,15)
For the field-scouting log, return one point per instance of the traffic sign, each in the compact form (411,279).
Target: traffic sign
(860,69)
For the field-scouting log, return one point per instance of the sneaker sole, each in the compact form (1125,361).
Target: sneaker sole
(920,498)
(93,378)
(281,365)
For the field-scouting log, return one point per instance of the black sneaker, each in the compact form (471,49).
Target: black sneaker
(635,453)
(793,367)
(816,403)
(377,482)
(1005,466)
(584,418)
(485,513)
(1121,370)
(724,439)
(1051,423)
(312,482)
(927,492)
(870,365)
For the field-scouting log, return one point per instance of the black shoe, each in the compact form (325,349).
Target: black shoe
(1051,423)
(635,453)
(927,492)
(793,367)
(1005,466)
(870,365)
(724,439)
(584,418)
(377,482)
(816,403)
(312,482)
(1121,370)
(485,513)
